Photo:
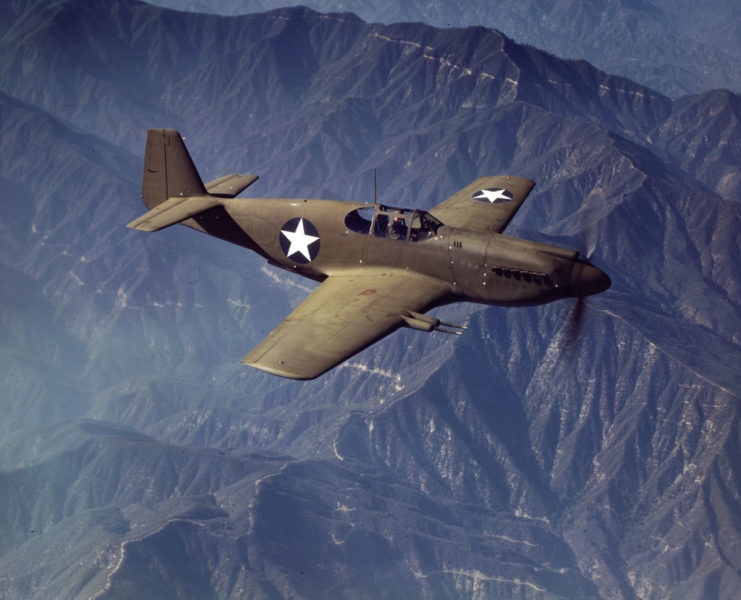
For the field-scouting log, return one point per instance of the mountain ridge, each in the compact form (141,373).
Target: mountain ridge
(676,47)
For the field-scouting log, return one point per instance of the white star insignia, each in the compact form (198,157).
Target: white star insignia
(300,241)
(493,195)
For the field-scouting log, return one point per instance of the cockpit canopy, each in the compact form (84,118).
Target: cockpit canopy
(393,223)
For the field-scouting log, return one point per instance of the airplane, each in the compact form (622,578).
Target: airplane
(380,267)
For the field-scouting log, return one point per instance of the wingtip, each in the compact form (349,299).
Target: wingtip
(279,370)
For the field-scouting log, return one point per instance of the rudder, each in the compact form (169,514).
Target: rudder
(169,171)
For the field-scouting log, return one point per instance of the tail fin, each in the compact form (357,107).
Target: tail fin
(172,190)
(169,171)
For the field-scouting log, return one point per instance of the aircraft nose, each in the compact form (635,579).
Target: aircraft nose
(587,280)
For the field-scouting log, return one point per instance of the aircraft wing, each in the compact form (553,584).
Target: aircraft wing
(346,313)
(487,204)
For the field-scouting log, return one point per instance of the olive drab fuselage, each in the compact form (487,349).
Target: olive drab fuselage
(481,267)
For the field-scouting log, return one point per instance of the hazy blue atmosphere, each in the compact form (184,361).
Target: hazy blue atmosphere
(140,459)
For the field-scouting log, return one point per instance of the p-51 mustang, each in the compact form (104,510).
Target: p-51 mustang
(381,267)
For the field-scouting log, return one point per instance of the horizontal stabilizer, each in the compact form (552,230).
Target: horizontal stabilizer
(171,211)
(229,186)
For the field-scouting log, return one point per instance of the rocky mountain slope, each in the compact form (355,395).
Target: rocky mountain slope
(140,459)
(674,46)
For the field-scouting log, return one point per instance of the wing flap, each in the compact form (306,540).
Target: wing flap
(345,314)
(486,204)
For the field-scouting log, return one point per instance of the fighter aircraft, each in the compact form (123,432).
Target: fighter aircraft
(381,267)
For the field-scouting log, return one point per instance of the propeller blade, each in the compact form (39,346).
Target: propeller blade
(592,280)
(589,243)
(589,235)
(574,325)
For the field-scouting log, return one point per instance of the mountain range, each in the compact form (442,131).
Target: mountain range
(139,458)
(674,46)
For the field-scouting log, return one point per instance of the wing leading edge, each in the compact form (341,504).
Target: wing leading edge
(345,314)
(486,204)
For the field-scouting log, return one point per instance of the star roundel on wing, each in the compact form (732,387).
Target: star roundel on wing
(493,195)
(299,240)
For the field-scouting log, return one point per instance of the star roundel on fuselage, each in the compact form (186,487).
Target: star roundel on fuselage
(299,240)
(493,195)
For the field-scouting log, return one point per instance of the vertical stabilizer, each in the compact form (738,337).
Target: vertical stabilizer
(169,171)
